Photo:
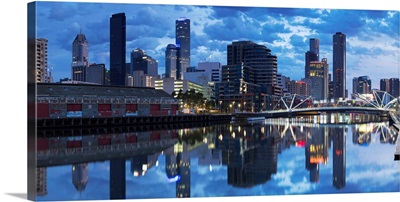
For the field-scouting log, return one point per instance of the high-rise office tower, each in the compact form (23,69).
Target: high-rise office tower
(339,65)
(318,75)
(117,49)
(361,85)
(171,61)
(311,55)
(384,85)
(140,61)
(80,51)
(392,86)
(41,60)
(257,57)
(182,37)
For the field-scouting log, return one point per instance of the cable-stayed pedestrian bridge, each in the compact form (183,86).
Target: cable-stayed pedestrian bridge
(381,104)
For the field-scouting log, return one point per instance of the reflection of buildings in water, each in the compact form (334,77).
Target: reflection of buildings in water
(177,168)
(364,134)
(183,183)
(288,135)
(339,157)
(117,179)
(80,176)
(316,151)
(41,181)
(250,154)
(209,153)
(140,164)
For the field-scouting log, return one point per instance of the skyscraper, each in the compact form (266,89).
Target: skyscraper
(80,51)
(117,49)
(339,65)
(318,74)
(311,55)
(392,86)
(361,85)
(140,61)
(182,37)
(171,61)
(41,60)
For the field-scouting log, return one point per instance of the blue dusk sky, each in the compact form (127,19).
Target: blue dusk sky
(372,35)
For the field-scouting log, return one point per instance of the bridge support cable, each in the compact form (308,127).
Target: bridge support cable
(309,98)
(362,97)
(284,103)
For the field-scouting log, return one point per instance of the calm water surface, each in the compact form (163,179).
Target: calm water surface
(273,157)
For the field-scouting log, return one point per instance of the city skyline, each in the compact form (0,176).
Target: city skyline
(213,28)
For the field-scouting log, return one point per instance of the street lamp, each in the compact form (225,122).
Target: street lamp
(239,107)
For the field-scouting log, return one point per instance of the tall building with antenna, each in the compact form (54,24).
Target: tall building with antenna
(182,37)
(80,51)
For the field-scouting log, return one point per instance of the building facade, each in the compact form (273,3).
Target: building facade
(361,85)
(140,61)
(171,61)
(339,65)
(250,75)
(318,75)
(392,86)
(80,51)
(311,55)
(182,40)
(169,85)
(117,49)
(41,61)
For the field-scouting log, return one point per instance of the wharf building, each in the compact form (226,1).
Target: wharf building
(88,101)
(249,76)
